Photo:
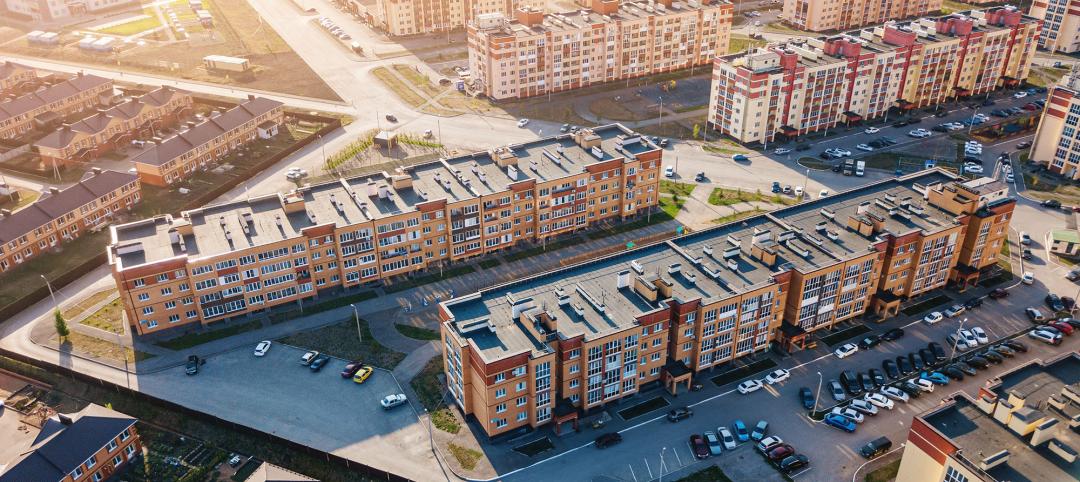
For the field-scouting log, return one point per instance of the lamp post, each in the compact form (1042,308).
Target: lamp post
(956,339)
(972,123)
(660,119)
(356,316)
(51,294)
(662,463)
(817,397)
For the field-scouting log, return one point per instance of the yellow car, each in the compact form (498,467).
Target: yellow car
(362,374)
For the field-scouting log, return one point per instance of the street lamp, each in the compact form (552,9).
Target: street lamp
(662,463)
(660,119)
(51,295)
(356,316)
(817,397)
(956,340)
(972,122)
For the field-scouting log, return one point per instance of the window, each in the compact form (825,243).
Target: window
(75,474)
(90,463)
(501,377)
(96,477)
(953,475)
(522,416)
(500,393)
(521,401)
(574,383)
(144,297)
(499,422)
(575,368)
(500,408)
(520,387)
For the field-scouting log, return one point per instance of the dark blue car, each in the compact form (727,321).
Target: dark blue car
(841,422)
(740,430)
(937,378)
(807,398)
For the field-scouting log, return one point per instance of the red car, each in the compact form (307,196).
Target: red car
(351,369)
(701,450)
(1065,328)
(998,293)
(780,452)
(1031,106)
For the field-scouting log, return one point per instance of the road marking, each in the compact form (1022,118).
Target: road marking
(679,459)
(646,459)
(632,474)
(855,475)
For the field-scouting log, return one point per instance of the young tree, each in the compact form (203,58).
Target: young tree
(61,325)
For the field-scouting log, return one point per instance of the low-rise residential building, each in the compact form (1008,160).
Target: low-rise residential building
(62,10)
(1057,144)
(545,348)
(826,15)
(414,17)
(15,77)
(92,444)
(98,134)
(60,216)
(200,145)
(1060,24)
(245,256)
(77,94)
(535,54)
(1018,427)
(806,85)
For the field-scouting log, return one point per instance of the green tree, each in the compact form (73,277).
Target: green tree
(697,130)
(61,325)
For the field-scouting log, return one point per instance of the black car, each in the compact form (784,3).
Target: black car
(1051,203)
(1069,302)
(1023,145)
(939,128)
(927,356)
(904,365)
(877,377)
(869,342)
(319,362)
(893,334)
(807,398)
(1073,322)
(987,103)
(899,124)
(351,368)
(1054,302)
(1004,350)
(802,147)
(793,463)
(910,388)
(776,187)
(699,177)
(850,382)
(866,382)
(608,439)
(916,361)
(1026,253)
(877,144)
(914,120)
(973,303)
(192,366)
(680,413)
(890,369)
(978,362)
(825,155)
(938,350)
(998,293)
(964,367)
(1016,345)
(391,118)
(993,357)
(953,372)
(941,113)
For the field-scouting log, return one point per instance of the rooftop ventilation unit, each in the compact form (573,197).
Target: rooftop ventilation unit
(707,249)
(691,277)
(580,310)
(674,268)
(732,240)
(827,213)
(637,267)
(833,235)
(822,226)
(733,264)
(221,221)
(731,252)
(277,220)
(311,217)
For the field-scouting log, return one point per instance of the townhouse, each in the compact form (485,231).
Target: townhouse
(807,85)
(548,348)
(89,445)
(1060,24)
(200,145)
(15,77)
(94,136)
(60,216)
(535,54)
(77,94)
(1056,144)
(249,255)
(826,15)
(414,17)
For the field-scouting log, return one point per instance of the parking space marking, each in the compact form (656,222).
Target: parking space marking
(632,474)
(646,459)
(679,459)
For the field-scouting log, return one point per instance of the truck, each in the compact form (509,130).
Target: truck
(225,63)
(859,167)
(849,167)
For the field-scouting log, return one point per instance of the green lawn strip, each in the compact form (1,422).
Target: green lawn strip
(744,371)
(709,474)
(490,263)
(655,218)
(429,389)
(314,308)
(922,306)
(108,318)
(884,473)
(739,43)
(814,163)
(465,456)
(679,188)
(730,218)
(404,284)
(535,447)
(722,150)
(341,340)
(133,27)
(407,94)
(26,278)
(844,335)
(416,332)
(551,246)
(726,197)
(24,196)
(652,404)
(189,340)
(671,205)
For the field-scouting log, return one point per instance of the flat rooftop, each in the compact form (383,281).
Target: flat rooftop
(586,18)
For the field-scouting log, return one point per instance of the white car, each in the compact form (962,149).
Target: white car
(954,126)
(798,191)
(849,414)
(895,393)
(846,350)
(879,400)
(1020,95)
(973,143)
(823,193)
(781,151)
(777,376)
(969,338)
(669,171)
(837,152)
(872,130)
(766,443)
(919,133)
(842,152)
(725,435)
(1009,177)
(973,150)
(954,310)
(973,168)
(864,406)
(980,335)
(864,147)
(262,348)
(933,317)
(958,341)
(749,386)
(923,384)
(391,401)
(1045,336)
(1028,278)
(523,122)
(1025,239)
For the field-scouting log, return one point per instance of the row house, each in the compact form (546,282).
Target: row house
(833,15)
(201,145)
(15,78)
(535,54)
(246,256)
(547,348)
(60,216)
(101,133)
(81,93)
(812,84)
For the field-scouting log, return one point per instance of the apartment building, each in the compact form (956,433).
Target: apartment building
(200,145)
(15,77)
(1057,144)
(1060,24)
(94,136)
(414,17)
(535,54)
(546,348)
(60,216)
(61,10)
(1018,427)
(90,445)
(77,94)
(249,255)
(806,85)
(833,15)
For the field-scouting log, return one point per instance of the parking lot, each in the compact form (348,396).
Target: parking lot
(278,395)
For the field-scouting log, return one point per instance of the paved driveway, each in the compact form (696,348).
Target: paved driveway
(278,395)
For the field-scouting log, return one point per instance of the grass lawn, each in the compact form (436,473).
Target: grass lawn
(739,43)
(109,318)
(652,404)
(135,26)
(710,474)
(98,348)
(723,150)
(24,197)
(884,473)
(814,163)
(189,340)
(490,263)
(730,218)
(726,197)
(844,335)
(550,246)
(416,333)
(673,196)
(403,91)
(23,280)
(427,386)
(535,447)
(339,339)
(73,311)
(465,456)
(926,305)
(744,371)
(412,282)
(781,27)
(608,109)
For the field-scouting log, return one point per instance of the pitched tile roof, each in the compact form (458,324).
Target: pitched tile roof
(8,68)
(59,448)
(202,133)
(49,207)
(46,95)
(130,109)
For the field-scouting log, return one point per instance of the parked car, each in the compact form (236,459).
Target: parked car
(1065,328)
(768,442)
(669,171)
(933,317)
(977,362)
(1004,350)
(922,384)
(793,463)
(895,393)
(725,435)
(879,400)
(1051,203)
(904,365)
(351,368)
(953,372)
(319,362)
(607,440)
(866,383)
(308,357)
(956,341)
(759,430)
(1034,314)
(740,158)
(876,447)
(1025,239)
(965,368)
(837,391)
(262,348)
(523,122)
(969,337)
(362,374)
(869,342)
(740,430)
(993,357)
(807,398)
(777,376)
(973,303)
(954,310)
(846,350)
(780,452)
(713,441)
(851,382)
(937,350)
(1054,302)
(980,335)
(781,151)
(916,361)
(910,388)
(192,365)
(863,406)
(699,177)
(893,334)
(1027,278)
(1045,337)
(697,444)
(390,401)
(1016,345)
(999,293)
(927,356)
(877,377)
(890,369)
(391,118)
(680,413)
(749,386)
(839,421)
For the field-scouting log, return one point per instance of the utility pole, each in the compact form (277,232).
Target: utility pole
(51,294)
(359,334)
(817,397)
(660,119)
(956,340)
